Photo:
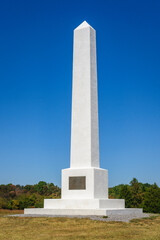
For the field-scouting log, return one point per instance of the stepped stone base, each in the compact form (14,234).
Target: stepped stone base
(98,207)
(84,212)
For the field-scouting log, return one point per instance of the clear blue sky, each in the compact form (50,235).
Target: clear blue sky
(36,39)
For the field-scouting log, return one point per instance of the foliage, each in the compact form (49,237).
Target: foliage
(152,200)
(138,195)
(3,203)
(20,197)
(126,193)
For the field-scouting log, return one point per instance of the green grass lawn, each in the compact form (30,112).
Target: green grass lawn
(26,228)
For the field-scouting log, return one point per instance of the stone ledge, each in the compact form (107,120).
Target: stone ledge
(84,203)
(84,212)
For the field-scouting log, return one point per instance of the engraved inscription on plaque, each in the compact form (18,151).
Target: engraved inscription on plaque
(77,183)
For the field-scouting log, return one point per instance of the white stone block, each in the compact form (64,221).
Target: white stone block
(84,212)
(96,183)
(84,204)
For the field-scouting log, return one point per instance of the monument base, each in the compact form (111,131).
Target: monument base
(82,212)
(98,207)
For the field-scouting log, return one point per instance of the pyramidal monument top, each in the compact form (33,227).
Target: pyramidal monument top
(83,25)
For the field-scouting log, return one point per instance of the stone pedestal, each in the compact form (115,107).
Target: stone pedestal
(86,183)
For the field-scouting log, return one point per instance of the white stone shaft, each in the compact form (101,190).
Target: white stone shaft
(84,126)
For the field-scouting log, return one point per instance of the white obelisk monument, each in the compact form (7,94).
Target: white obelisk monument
(84,179)
(84,131)
(84,184)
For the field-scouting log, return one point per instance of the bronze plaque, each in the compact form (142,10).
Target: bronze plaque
(77,183)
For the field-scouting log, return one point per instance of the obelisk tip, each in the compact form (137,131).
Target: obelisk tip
(83,25)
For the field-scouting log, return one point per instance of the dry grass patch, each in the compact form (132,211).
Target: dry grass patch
(16,228)
(6,212)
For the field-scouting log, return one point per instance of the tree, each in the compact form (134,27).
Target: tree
(13,204)
(41,187)
(136,191)
(3,203)
(125,193)
(151,202)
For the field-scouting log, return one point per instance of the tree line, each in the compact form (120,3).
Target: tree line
(20,197)
(136,195)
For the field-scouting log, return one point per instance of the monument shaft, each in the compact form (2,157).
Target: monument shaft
(84,126)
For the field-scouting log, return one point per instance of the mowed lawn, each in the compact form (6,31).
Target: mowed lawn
(16,228)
